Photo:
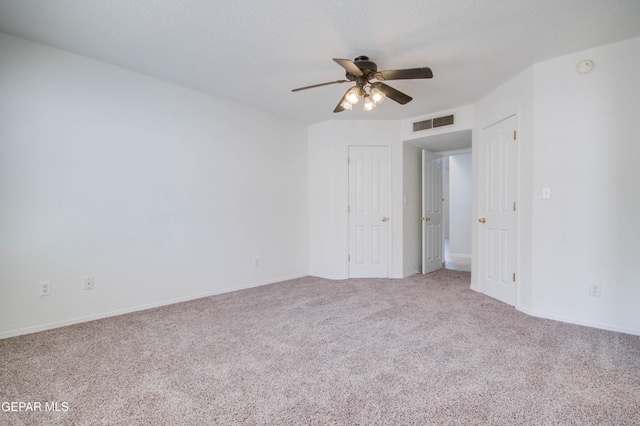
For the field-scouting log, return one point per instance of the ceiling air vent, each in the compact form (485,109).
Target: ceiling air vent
(432,123)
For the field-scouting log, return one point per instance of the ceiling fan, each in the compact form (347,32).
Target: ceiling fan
(362,71)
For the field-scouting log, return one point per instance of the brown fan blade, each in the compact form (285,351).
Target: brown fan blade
(339,107)
(318,85)
(408,74)
(350,66)
(392,93)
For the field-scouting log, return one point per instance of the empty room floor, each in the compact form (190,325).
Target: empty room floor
(420,350)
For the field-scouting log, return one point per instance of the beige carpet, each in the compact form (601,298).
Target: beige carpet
(424,350)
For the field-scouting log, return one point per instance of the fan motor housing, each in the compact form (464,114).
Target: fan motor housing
(366,65)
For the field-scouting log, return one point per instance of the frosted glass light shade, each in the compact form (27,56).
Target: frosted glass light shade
(353,96)
(377,95)
(369,104)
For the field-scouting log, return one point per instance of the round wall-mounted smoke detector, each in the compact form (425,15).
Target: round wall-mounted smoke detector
(584,66)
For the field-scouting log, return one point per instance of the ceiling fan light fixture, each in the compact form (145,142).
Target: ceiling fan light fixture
(353,95)
(369,104)
(346,105)
(360,72)
(377,95)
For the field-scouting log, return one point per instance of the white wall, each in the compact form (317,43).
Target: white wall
(460,208)
(159,192)
(587,150)
(328,233)
(327,204)
(577,135)
(412,209)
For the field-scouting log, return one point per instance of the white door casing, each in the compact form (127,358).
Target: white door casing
(497,227)
(368,212)
(432,232)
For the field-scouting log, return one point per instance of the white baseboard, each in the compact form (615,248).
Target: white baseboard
(571,320)
(576,321)
(331,277)
(464,256)
(78,320)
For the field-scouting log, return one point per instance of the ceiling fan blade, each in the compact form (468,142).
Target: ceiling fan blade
(339,107)
(408,74)
(350,66)
(392,93)
(318,85)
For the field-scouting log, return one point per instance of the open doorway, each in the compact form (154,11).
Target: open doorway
(457,193)
(445,146)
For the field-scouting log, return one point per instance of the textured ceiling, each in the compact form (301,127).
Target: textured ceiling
(255,52)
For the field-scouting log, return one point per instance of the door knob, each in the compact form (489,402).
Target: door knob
(384,219)
(421,219)
(427,219)
(482,220)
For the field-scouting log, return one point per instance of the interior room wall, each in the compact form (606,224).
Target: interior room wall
(327,227)
(577,136)
(158,192)
(328,151)
(586,150)
(412,209)
(460,208)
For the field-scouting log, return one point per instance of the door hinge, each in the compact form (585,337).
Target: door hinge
(348,159)
(514,277)
(514,206)
(349,258)
(515,135)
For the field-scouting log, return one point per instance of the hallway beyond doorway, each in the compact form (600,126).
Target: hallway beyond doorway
(455,263)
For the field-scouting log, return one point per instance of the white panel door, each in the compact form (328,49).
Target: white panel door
(497,225)
(432,244)
(368,211)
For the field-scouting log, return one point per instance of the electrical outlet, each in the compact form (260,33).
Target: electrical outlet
(594,290)
(45,288)
(88,283)
(256,262)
